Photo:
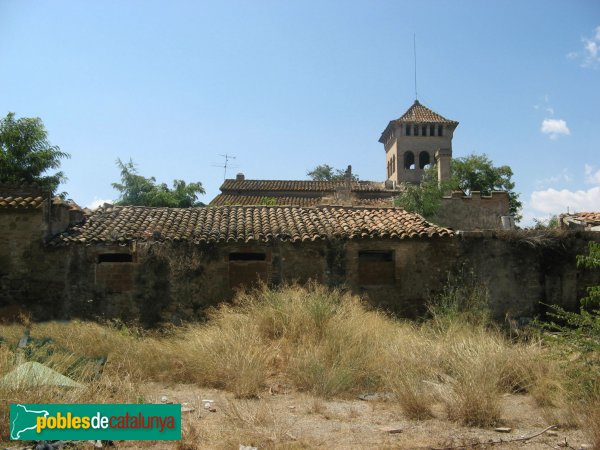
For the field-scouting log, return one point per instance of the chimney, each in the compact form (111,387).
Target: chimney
(348,177)
(442,158)
(240,177)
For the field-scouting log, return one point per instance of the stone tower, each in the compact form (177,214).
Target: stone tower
(420,137)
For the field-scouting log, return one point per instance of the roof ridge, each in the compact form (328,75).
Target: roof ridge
(417,112)
(260,223)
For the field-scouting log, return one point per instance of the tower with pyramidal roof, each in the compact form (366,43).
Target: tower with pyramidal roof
(419,138)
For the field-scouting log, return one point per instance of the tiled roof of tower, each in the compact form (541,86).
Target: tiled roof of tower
(298,185)
(123,224)
(420,113)
(21,202)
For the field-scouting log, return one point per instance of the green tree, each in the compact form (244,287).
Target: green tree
(424,198)
(325,172)
(576,335)
(478,173)
(591,261)
(26,155)
(138,190)
(546,224)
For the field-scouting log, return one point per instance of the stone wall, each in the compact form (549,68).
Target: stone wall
(473,212)
(20,237)
(153,282)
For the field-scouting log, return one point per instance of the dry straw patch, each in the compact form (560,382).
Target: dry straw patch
(323,341)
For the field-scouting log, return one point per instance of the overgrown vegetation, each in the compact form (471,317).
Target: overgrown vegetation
(576,342)
(325,172)
(424,198)
(325,342)
(469,173)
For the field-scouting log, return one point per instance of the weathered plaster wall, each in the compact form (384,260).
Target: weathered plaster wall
(178,281)
(474,212)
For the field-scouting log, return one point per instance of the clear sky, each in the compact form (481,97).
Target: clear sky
(287,85)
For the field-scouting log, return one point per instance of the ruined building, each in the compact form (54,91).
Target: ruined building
(413,142)
(156,265)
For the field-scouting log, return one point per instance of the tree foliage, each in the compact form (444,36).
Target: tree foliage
(26,155)
(478,173)
(138,190)
(591,261)
(325,172)
(425,198)
(551,223)
(470,173)
(581,330)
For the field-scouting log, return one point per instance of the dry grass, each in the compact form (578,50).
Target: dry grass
(252,423)
(592,422)
(322,341)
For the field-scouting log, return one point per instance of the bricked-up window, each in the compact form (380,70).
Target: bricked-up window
(114,272)
(247,269)
(115,257)
(376,268)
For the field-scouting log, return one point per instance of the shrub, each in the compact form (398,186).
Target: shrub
(463,300)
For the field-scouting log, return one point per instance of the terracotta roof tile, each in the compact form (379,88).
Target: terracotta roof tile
(21,202)
(244,200)
(591,219)
(122,224)
(298,185)
(420,113)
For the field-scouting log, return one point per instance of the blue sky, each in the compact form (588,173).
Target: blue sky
(287,85)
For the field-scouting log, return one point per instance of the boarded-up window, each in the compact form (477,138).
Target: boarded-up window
(115,257)
(114,272)
(376,268)
(247,269)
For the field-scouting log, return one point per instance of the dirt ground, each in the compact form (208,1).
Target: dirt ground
(294,420)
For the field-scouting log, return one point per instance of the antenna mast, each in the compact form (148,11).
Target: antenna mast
(226,164)
(415,53)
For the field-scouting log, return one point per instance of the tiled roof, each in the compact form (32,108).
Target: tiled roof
(257,200)
(21,202)
(245,200)
(581,220)
(298,185)
(592,218)
(122,224)
(422,114)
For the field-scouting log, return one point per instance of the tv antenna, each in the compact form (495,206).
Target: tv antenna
(226,163)
(415,53)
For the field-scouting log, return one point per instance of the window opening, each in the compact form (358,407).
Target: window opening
(409,160)
(115,257)
(424,160)
(247,256)
(376,268)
